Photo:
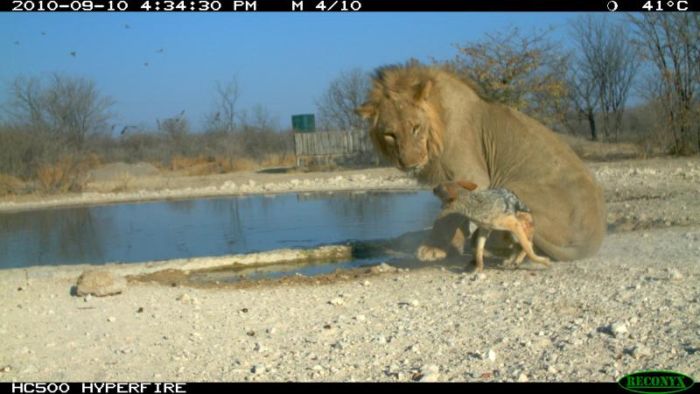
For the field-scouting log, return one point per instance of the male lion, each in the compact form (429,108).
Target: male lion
(435,126)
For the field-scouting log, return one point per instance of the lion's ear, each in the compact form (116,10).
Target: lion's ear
(468,185)
(393,95)
(423,90)
(366,110)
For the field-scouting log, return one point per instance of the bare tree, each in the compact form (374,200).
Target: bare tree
(76,109)
(70,108)
(337,104)
(258,118)
(606,66)
(260,134)
(224,116)
(583,97)
(25,106)
(176,130)
(671,42)
(522,71)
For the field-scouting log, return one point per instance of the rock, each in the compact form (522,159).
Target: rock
(479,276)
(381,268)
(340,345)
(674,274)
(430,373)
(522,378)
(618,329)
(99,283)
(111,319)
(491,355)
(336,301)
(256,369)
(640,351)
(187,299)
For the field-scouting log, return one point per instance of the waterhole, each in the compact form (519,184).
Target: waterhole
(165,230)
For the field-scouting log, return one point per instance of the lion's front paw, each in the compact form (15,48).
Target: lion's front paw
(430,253)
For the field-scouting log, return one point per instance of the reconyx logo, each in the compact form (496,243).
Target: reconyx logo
(656,382)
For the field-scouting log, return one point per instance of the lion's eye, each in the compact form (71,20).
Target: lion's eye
(415,130)
(390,138)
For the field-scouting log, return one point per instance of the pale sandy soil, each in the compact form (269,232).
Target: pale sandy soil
(633,306)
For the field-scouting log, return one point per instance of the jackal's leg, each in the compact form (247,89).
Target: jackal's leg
(520,258)
(481,236)
(517,256)
(526,243)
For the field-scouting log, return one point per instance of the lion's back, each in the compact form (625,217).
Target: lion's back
(527,158)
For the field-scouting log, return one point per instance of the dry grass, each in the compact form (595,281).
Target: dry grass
(599,151)
(10,185)
(124,183)
(206,165)
(68,174)
(243,164)
(278,160)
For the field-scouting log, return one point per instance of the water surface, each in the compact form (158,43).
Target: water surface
(207,227)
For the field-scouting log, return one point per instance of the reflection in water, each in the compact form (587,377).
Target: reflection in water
(50,237)
(207,227)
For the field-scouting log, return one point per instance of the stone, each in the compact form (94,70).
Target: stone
(491,355)
(100,283)
(618,329)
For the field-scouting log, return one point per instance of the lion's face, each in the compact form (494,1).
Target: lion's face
(405,128)
(401,131)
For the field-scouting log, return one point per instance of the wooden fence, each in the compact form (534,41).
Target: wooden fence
(339,147)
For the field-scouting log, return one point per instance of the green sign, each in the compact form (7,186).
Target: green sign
(305,123)
(656,382)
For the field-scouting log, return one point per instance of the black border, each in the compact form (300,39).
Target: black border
(346,6)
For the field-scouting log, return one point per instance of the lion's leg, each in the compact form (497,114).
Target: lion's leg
(481,236)
(461,237)
(440,240)
(430,253)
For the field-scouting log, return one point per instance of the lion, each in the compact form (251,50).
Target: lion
(434,125)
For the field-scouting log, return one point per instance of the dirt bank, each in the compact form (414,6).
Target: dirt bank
(173,186)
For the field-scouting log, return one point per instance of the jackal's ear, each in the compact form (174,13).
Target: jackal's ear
(467,185)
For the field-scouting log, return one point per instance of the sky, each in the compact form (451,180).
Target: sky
(282,61)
